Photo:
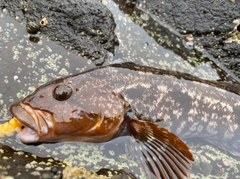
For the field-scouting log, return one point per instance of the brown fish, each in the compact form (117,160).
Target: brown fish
(107,102)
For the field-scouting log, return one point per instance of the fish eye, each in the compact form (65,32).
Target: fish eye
(62,92)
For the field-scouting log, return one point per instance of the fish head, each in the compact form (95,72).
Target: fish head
(68,109)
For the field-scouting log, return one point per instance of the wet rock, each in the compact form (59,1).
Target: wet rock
(80,173)
(210,22)
(198,17)
(116,174)
(210,162)
(16,8)
(184,45)
(19,164)
(84,27)
(206,168)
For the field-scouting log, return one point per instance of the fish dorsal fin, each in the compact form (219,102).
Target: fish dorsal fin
(166,156)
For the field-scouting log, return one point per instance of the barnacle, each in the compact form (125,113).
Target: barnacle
(43,22)
(8,128)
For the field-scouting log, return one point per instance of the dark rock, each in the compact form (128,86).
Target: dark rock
(84,27)
(210,23)
(22,165)
(117,174)
(233,49)
(54,169)
(195,17)
(193,50)
(16,8)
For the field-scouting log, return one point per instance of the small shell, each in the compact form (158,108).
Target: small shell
(189,38)
(43,22)
(32,27)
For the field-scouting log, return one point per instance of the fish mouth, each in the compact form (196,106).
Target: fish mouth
(35,122)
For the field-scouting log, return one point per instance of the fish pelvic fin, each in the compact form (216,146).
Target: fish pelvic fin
(165,155)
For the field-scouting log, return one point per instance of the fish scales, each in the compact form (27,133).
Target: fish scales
(145,103)
(205,109)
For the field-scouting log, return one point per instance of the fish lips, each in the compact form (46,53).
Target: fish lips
(23,116)
(34,123)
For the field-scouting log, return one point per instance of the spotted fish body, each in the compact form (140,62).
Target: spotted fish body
(188,108)
(101,104)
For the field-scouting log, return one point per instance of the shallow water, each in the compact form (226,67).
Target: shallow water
(25,65)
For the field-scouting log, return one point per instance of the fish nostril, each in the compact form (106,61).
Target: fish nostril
(62,92)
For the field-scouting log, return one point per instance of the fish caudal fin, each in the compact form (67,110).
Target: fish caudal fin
(165,155)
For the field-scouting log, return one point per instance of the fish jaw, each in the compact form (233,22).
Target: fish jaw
(34,121)
(27,135)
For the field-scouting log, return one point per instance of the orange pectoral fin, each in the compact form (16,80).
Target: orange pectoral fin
(9,127)
(165,154)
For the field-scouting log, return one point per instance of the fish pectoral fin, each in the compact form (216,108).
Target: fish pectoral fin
(163,152)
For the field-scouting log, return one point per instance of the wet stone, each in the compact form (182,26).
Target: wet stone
(192,55)
(206,168)
(15,8)
(21,165)
(84,27)
(79,173)
(54,169)
(214,25)
(82,173)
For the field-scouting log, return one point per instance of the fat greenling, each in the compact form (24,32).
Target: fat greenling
(155,107)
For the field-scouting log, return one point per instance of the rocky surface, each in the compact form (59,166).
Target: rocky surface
(213,24)
(184,54)
(85,27)
(19,164)
(80,173)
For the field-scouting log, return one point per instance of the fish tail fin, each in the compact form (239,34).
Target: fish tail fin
(165,155)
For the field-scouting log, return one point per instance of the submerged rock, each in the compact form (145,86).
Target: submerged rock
(80,173)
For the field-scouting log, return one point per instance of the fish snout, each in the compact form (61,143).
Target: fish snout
(18,111)
(36,122)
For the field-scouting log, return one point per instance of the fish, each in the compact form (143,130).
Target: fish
(157,108)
